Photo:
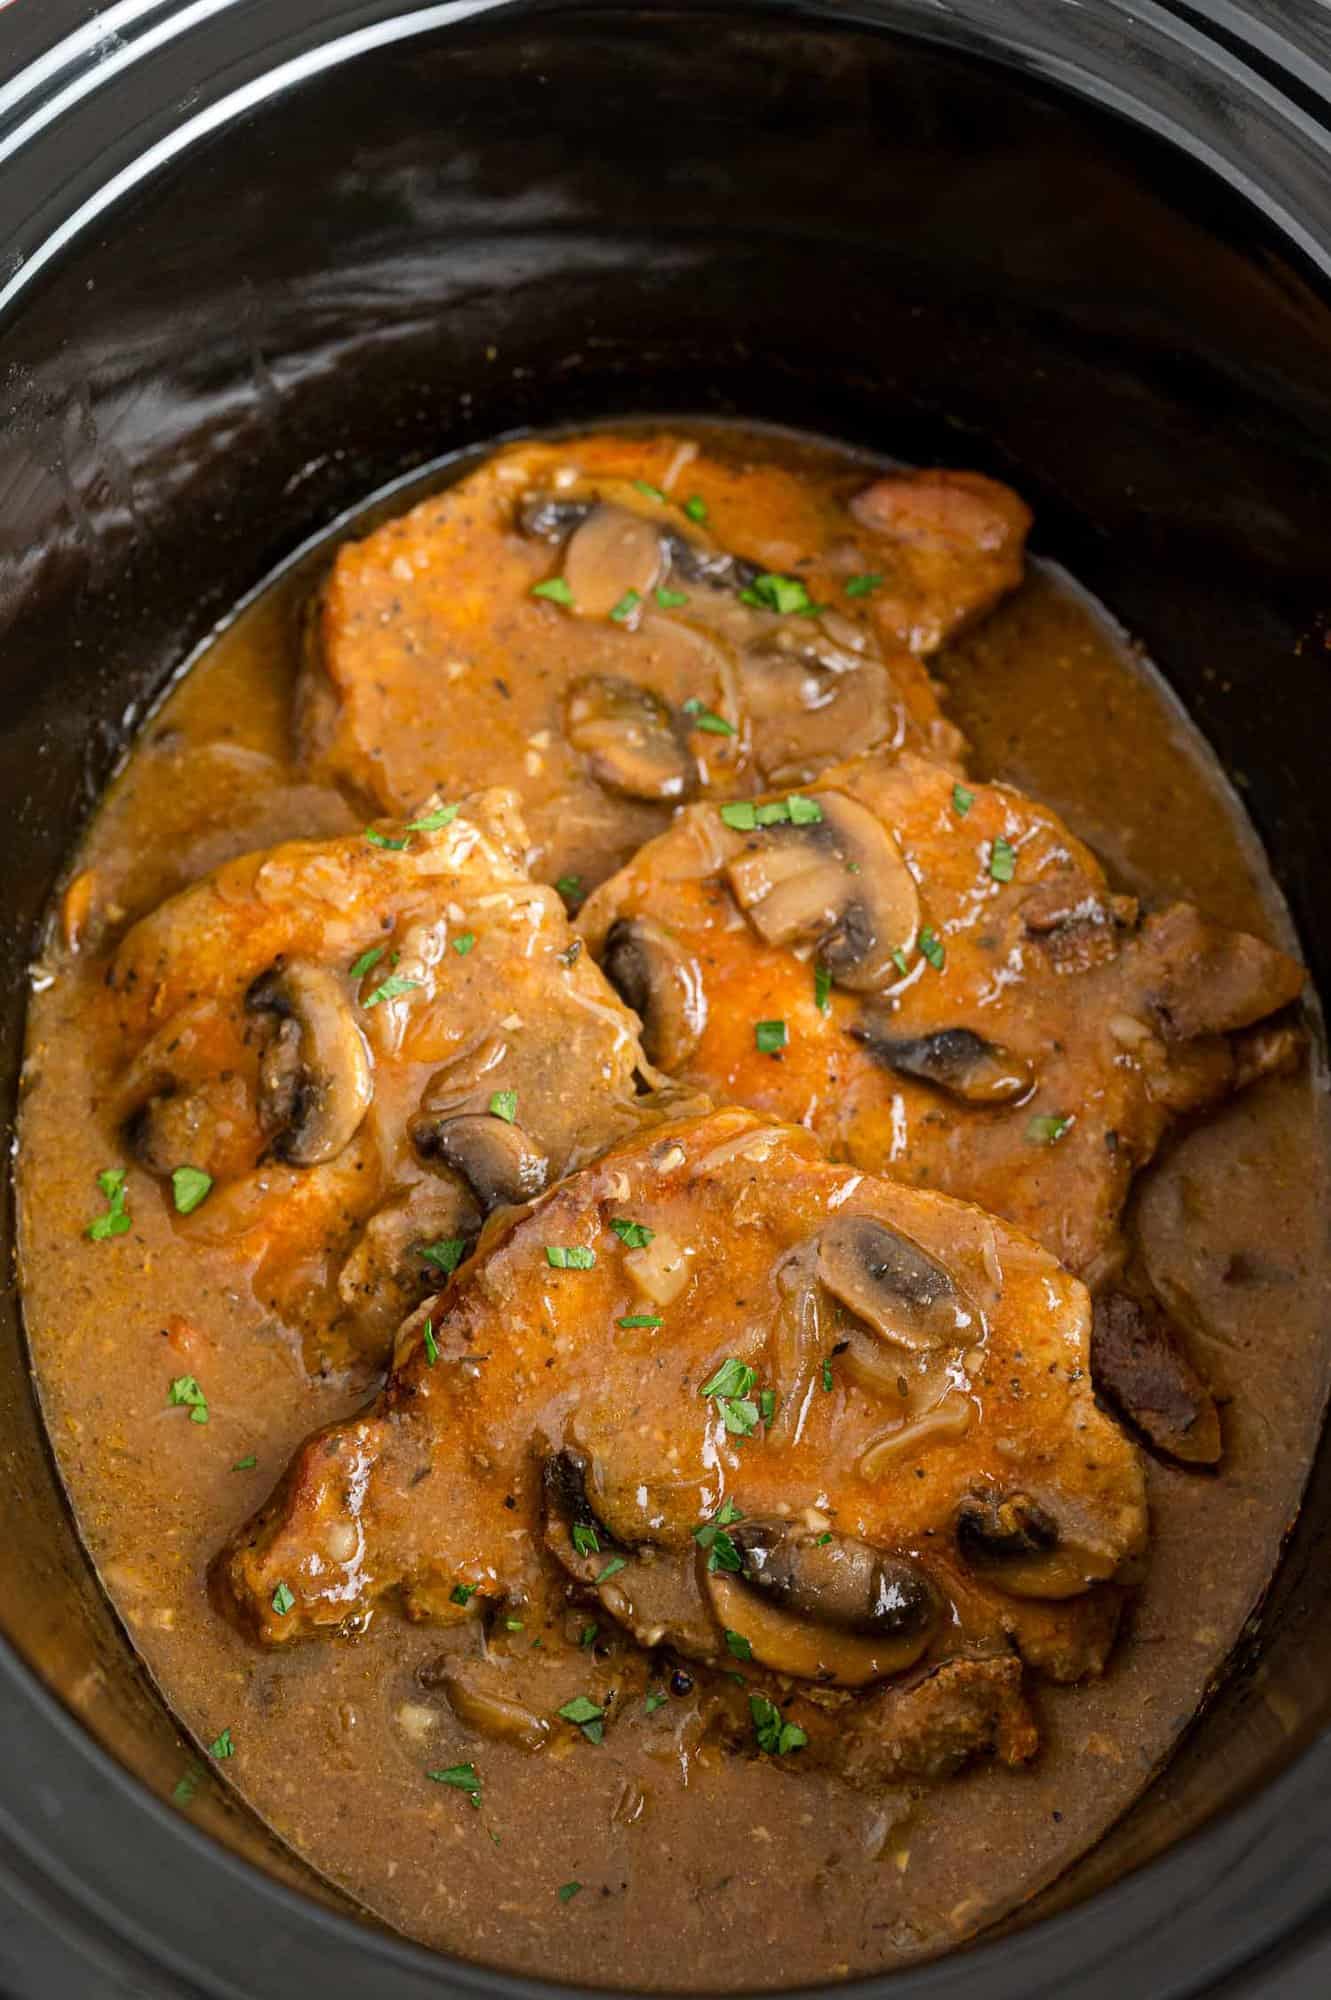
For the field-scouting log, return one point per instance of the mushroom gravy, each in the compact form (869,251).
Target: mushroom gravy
(664,1854)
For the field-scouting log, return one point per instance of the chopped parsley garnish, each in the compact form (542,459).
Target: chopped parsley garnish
(823,1539)
(555,589)
(589,1718)
(822,989)
(185,1393)
(246,1464)
(587,1636)
(377,839)
(704,718)
(774,1735)
(670,600)
(744,815)
(640,1319)
(392,989)
(767,1404)
(513,1624)
(729,1388)
(738,1645)
(189,1186)
(584,1539)
(570,888)
(569,1257)
(445,1255)
(626,607)
(187,1784)
(784,594)
(733,1378)
(463,1778)
(116,1221)
(463,944)
(222,1747)
(432,821)
(633,1235)
(827,1374)
(901,962)
(648,491)
(1047,1131)
(861,585)
(932,947)
(1002,860)
(711,1536)
(569,1890)
(462,1593)
(612,1568)
(431,1344)
(282,1600)
(367,959)
(654,1701)
(504,1104)
(769,1037)
(696,507)
(962,800)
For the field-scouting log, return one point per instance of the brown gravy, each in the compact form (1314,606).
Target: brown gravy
(691,1875)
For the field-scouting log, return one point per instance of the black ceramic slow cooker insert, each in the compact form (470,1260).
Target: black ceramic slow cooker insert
(260,257)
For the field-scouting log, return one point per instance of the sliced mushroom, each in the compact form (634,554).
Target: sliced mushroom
(316,1079)
(954,1060)
(839,883)
(1138,1365)
(1016,1543)
(824,1606)
(810,704)
(629,739)
(171,1127)
(661,983)
(897,1288)
(549,519)
(482,1708)
(653,1592)
(497,1160)
(613,559)
(385,1275)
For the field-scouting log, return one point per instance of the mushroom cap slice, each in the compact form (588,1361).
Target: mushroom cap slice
(824,1606)
(894,1286)
(495,1158)
(1023,1548)
(954,1060)
(839,882)
(662,984)
(612,555)
(628,737)
(316,1075)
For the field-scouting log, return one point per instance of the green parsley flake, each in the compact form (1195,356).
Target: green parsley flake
(587,1636)
(432,821)
(569,1890)
(861,585)
(827,1375)
(187,1784)
(513,1624)
(822,989)
(116,1221)
(462,1593)
(1002,860)
(1047,1131)
(246,1464)
(706,720)
(656,1699)
(626,607)
(648,491)
(901,962)
(431,1344)
(767,1404)
(783,594)
(769,1037)
(738,1645)
(555,589)
(570,888)
(222,1747)
(377,839)
(722,1553)
(730,1387)
(392,989)
(733,1378)
(584,1539)
(445,1255)
(589,1718)
(612,1568)
(463,944)
(570,1257)
(633,1235)
(932,947)
(774,1735)
(696,507)
(189,1186)
(823,1539)
(185,1393)
(504,1104)
(640,1319)
(670,600)
(744,815)
(367,959)
(282,1600)
(962,800)
(462,1777)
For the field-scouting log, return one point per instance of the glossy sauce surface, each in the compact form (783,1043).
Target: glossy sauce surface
(696,1868)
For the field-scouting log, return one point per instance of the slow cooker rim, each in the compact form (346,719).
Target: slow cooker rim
(1030,1962)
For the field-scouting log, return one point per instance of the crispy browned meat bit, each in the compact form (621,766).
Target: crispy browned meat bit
(831,1433)
(1141,1367)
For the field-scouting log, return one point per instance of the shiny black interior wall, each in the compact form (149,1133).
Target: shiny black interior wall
(652,211)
